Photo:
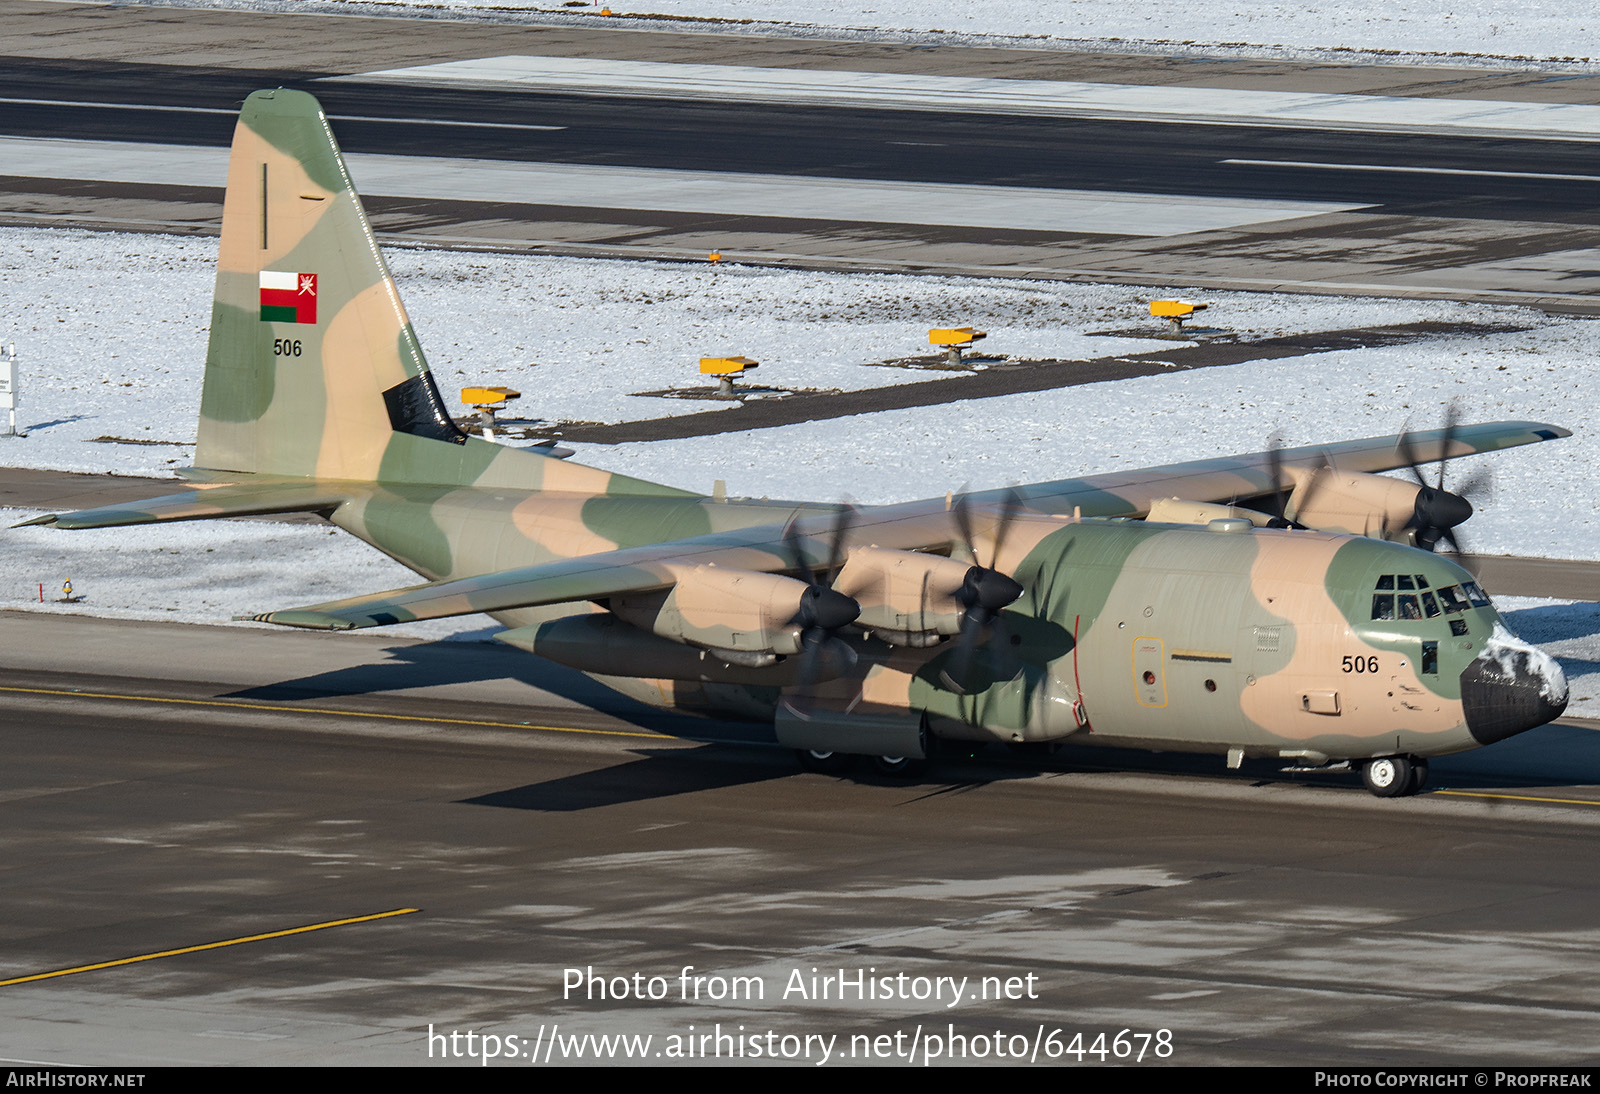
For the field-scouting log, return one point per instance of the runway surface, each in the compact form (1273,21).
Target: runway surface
(252,784)
(1229,175)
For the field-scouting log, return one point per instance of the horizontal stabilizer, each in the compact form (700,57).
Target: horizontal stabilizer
(240,499)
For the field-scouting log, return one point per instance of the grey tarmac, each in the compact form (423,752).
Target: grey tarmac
(1469,244)
(1259,919)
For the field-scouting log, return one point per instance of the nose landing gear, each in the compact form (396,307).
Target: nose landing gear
(1395,776)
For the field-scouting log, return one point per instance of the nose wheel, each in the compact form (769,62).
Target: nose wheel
(1395,776)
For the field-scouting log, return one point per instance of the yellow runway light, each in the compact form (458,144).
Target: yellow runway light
(488,396)
(725,369)
(1175,311)
(954,340)
(487,400)
(955,336)
(722,366)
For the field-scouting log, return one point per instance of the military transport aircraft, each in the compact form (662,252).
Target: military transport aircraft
(1284,605)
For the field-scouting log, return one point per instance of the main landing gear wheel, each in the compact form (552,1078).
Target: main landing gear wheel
(1394,776)
(826,763)
(897,767)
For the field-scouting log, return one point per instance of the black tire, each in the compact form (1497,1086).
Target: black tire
(825,763)
(1419,774)
(1389,776)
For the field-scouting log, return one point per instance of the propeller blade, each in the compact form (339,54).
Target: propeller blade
(1280,496)
(957,670)
(1438,511)
(1010,506)
(1479,484)
(1452,422)
(1408,452)
(824,611)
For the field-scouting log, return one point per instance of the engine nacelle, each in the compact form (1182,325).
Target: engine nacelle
(1354,503)
(907,598)
(737,611)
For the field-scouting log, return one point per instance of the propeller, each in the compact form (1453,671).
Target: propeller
(984,593)
(1439,511)
(824,611)
(1284,486)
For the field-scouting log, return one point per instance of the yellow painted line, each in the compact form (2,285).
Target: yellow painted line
(209,946)
(337,713)
(1516,797)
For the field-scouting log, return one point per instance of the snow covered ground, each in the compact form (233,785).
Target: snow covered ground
(575,335)
(1440,31)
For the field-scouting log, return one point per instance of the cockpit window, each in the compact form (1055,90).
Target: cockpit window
(1446,600)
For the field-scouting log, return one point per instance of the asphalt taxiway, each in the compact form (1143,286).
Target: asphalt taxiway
(178,813)
(1260,197)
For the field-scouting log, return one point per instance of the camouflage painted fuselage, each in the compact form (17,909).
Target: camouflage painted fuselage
(1128,633)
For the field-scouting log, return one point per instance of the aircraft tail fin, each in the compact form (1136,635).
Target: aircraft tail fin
(313,370)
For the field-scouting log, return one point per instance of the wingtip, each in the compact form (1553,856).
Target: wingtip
(48,518)
(315,621)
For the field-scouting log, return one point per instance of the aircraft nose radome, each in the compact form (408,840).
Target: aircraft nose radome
(1511,687)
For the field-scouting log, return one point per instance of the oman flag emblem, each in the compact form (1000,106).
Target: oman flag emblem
(288,297)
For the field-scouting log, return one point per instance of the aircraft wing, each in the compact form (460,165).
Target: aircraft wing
(771,548)
(587,577)
(1130,493)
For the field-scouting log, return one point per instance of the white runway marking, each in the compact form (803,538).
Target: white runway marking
(1041,98)
(1413,170)
(1081,212)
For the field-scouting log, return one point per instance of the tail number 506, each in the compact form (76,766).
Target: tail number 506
(1360,664)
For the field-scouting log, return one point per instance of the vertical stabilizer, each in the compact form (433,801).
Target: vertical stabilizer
(313,370)
(312,364)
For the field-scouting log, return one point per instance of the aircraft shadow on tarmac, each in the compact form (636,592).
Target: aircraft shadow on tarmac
(652,774)
(1552,755)
(468,661)
(714,766)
